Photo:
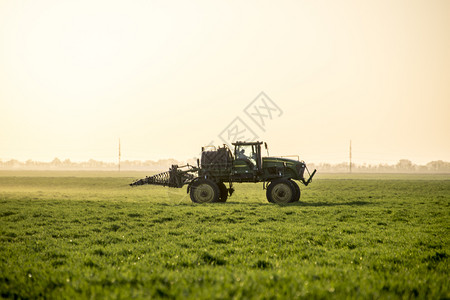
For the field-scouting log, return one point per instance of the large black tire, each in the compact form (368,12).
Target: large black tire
(297,191)
(204,191)
(281,191)
(223,192)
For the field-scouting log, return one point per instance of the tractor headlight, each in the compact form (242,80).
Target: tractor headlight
(300,169)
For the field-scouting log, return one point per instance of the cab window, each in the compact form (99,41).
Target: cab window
(246,152)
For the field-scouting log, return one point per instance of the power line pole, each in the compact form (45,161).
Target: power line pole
(350,156)
(119,154)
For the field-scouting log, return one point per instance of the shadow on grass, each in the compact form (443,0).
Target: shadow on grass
(313,204)
(317,204)
(117,203)
(300,204)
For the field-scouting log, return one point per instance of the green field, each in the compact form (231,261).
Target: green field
(90,235)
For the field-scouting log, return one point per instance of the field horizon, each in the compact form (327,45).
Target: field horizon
(161,165)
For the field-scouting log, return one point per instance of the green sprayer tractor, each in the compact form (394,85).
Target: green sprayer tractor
(218,166)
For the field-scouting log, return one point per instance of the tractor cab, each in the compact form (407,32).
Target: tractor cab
(247,159)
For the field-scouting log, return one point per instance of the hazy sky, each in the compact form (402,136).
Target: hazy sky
(170,76)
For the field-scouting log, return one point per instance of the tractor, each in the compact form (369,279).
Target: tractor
(207,182)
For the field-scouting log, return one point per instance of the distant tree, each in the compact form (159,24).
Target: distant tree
(405,165)
(438,166)
(56,162)
(67,163)
(13,163)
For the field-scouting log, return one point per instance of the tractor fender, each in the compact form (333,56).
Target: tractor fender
(193,182)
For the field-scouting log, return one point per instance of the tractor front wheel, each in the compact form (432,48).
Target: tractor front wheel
(223,192)
(281,191)
(297,191)
(204,191)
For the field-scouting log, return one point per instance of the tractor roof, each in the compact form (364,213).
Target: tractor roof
(246,143)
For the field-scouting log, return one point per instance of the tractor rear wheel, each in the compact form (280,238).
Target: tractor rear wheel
(281,191)
(204,191)
(223,192)
(297,191)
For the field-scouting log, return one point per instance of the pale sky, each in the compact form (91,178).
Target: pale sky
(167,77)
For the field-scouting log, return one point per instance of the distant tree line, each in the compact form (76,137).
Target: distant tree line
(92,164)
(403,166)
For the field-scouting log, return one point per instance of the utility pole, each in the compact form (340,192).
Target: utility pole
(350,156)
(119,154)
